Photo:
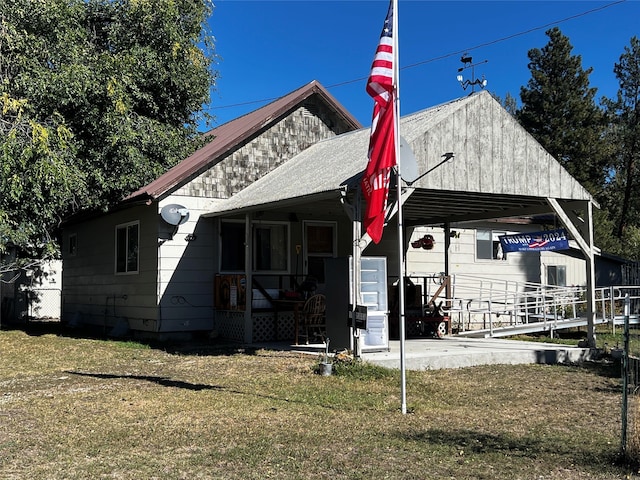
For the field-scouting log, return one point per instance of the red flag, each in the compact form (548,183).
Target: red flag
(375,183)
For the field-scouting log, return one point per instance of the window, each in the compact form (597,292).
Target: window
(488,245)
(232,246)
(320,238)
(73,244)
(557,275)
(270,247)
(127,240)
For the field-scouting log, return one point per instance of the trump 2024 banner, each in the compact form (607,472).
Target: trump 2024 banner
(535,241)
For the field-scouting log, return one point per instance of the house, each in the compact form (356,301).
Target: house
(211,245)
(131,264)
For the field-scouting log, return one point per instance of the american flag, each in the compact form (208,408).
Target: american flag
(538,242)
(375,183)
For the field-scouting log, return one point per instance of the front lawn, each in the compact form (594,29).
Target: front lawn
(74,408)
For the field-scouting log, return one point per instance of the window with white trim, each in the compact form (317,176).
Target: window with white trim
(488,245)
(270,247)
(557,275)
(127,243)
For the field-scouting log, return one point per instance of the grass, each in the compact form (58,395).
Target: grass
(605,338)
(74,408)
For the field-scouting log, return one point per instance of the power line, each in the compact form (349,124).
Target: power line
(509,37)
(442,57)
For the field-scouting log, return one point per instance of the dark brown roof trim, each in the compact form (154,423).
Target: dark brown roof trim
(235,133)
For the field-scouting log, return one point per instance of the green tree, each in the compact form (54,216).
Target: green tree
(38,176)
(510,104)
(119,83)
(558,109)
(623,199)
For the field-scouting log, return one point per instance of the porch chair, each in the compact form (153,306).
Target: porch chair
(313,318)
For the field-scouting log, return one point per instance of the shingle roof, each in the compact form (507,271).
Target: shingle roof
(234,133)
(326,166)
(499,169)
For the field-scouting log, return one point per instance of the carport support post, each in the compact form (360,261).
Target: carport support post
(447,244)
(587,230)
(583,234)
(248,248)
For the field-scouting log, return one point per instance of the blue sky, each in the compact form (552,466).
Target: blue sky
(268,48)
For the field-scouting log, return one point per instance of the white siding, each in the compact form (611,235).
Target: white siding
(186,270)
(518,267)
(575,267)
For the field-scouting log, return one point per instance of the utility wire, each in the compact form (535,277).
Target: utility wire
(442,57)
(492,42)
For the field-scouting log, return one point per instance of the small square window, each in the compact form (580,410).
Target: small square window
(557,275)
(488,245)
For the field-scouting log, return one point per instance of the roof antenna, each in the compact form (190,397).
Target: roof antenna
(467,62)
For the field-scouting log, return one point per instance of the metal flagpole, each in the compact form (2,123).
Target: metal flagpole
(401,295)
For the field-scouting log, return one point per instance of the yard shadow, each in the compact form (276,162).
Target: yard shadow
(37,328)
(607,369)
(164,381)
(476,442)
(471,441)
(199,345)
(167,382)
(604,368)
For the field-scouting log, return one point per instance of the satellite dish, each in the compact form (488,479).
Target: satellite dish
(174,214)
(408,162)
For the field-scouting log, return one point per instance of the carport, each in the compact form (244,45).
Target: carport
(498,171)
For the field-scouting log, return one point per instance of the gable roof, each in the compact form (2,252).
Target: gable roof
(499,169)
(235,133)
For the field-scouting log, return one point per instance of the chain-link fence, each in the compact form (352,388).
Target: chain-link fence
(630,357)
(30,292)
(24,304)
(43,303)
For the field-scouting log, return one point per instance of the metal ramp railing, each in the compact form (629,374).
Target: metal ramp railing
(480,307)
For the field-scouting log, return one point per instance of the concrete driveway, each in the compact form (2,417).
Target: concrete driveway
(457,352)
